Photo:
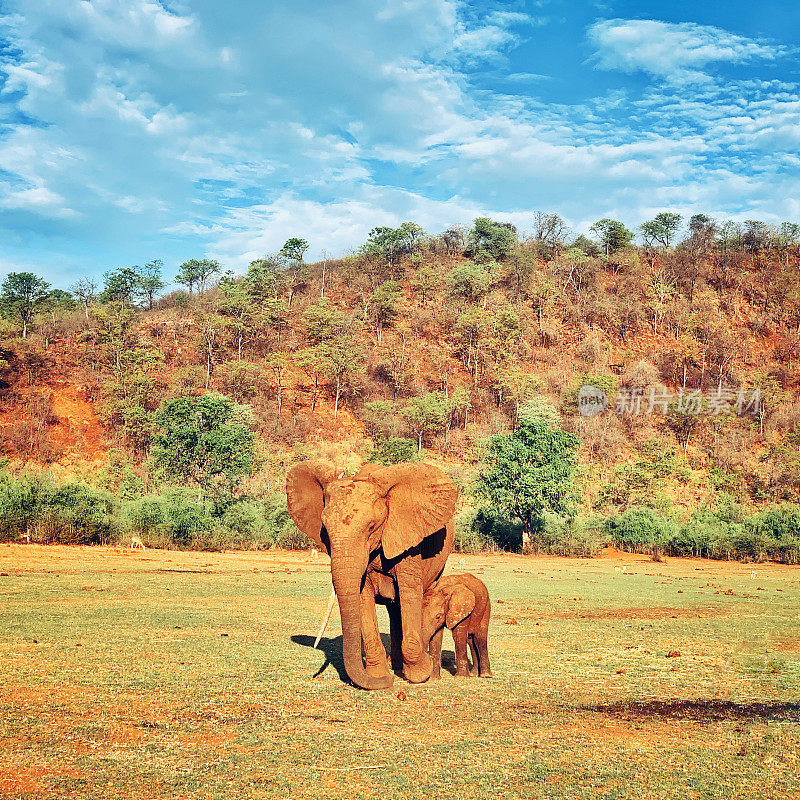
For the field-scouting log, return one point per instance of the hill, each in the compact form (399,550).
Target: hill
(444,340)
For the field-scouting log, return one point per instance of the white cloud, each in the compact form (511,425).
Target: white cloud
(140,24)
(678,51)
(208,126)
(40,200)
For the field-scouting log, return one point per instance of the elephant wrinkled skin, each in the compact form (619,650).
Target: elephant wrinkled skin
(388,531)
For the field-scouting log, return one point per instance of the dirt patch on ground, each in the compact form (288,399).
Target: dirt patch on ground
(634,613)
(701,710)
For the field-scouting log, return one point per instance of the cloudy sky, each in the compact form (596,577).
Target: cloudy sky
(140,129)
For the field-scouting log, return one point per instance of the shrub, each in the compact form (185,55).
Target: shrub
(470,538)
(707,534)
(503,533)
(560,536)
(394,451)
(68,513)
(774,534)
(282,530)
(640,530)
(175,517)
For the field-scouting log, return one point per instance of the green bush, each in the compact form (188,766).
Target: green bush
(18,506)
(282,530)
(503,533)
(562,536)
(640,530)
(773,534)
(394,451)
(67,513)
(470,538)
(707,534)
(175,517)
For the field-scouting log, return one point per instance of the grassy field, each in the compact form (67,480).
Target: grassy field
(191,675)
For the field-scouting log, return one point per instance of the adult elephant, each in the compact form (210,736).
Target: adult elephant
(387,529)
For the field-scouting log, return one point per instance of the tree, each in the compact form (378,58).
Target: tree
(549,233)
(426,414)
(383,305)
(587,245)
(471,281)
(342,358)
(613,235)
(187,275)
(411,234)
(278,365)
(683,417)
(207,440)
(324,321)
(117,342)
(294,249)
(491,240)
(197,272)
(661,230)
(238,307)
(529,472)
(453,240)
(150,280)
(386,244)
(85,292)
(261,279)
(209,327)
(702,225)
(425,282)
(22,295)
(122,285)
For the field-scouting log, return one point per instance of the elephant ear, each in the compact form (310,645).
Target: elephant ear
(460,606)
(304,496)
(421,500)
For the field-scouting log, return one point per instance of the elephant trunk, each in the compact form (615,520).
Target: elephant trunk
(347,573)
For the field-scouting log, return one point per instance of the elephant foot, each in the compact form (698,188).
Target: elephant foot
(419,672)
(487,674)
(378,670)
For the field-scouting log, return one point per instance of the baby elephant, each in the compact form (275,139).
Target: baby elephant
(461,602)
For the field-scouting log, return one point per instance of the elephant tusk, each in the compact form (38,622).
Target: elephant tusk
(331,601)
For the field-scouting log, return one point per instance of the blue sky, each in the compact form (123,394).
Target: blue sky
(174,129)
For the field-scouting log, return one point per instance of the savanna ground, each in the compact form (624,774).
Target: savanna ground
(191,675)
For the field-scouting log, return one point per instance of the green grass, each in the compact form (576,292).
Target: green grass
(190,675)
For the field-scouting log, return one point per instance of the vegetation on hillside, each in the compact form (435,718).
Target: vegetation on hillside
(437,343)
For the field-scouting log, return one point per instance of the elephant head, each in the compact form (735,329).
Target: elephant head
(389,508)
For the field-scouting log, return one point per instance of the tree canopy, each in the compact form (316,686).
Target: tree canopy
(206,440)
(613,235)
(529,472)
(22,296)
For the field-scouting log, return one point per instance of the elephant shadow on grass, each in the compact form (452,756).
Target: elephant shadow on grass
(331,648)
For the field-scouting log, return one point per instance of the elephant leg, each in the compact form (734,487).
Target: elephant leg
(396,635)
(460,642)
(476,662)
(481,643)
(417,663)
(377,664)
(435,651)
